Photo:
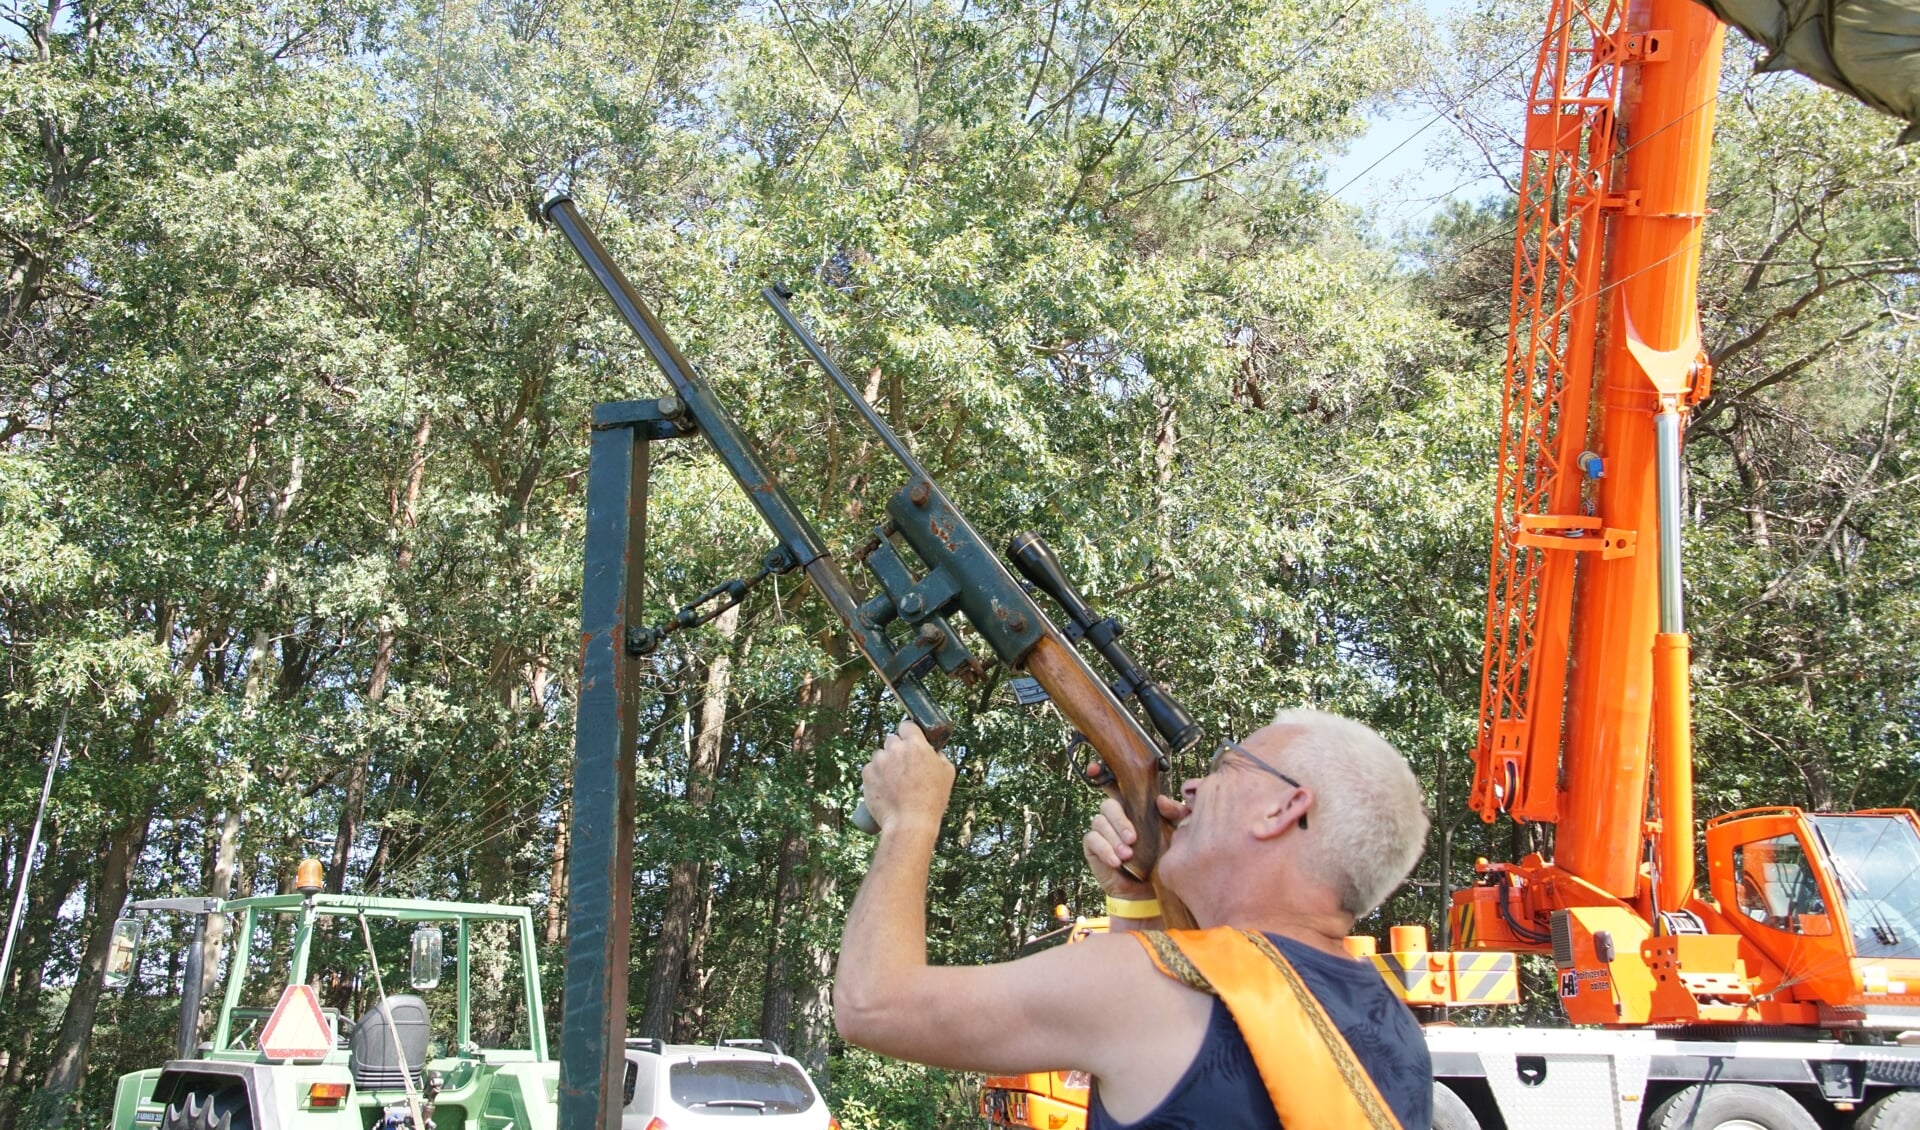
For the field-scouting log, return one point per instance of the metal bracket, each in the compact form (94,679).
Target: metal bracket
(182,906)
(926,604)
(664,418)
(1649,47)
(1610,543)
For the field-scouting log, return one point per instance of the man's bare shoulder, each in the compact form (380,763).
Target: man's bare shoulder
(1152,1025)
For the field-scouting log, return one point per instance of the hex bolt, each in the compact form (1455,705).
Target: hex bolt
(912,604)
(919,492)
(672,407)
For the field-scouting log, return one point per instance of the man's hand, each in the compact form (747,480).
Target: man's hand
(907,782)
(1109,843)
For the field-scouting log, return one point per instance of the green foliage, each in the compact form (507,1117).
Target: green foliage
(872,1092)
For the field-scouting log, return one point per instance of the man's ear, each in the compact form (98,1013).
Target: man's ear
(1283,814)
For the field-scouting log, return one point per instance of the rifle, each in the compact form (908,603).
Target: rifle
(961,575)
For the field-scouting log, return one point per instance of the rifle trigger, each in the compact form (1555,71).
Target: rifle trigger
(1097,774)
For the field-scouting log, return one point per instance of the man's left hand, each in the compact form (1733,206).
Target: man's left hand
(907,782)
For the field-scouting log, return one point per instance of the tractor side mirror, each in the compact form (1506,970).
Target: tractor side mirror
(123,951)
(426,957)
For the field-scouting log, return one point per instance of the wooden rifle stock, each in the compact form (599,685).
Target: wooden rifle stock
(1126,750)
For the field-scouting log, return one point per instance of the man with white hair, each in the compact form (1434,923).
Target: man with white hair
(1258,1019)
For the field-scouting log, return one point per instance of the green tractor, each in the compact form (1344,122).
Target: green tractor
(314,1033)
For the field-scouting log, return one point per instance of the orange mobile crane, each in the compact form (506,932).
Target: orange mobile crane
(1783,991)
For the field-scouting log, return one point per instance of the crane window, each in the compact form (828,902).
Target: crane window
(1777,887)
(1876,872)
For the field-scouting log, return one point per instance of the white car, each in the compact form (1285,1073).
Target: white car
(702,1087)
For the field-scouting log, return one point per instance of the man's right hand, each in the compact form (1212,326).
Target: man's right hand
(1108,845)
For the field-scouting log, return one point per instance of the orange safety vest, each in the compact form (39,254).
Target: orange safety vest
(1311,1074)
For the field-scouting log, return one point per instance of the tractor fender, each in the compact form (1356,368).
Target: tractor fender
(182,1076)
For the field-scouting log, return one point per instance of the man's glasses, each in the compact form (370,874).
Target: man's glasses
(1229,746)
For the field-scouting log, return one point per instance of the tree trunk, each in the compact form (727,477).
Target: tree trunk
(683,878)
(217,924)
(69,1067)
(402,517)
(1753,482)
(789,904)
(57,879)
(808,1001)
(813,1026)
(557,881)
(690,1022)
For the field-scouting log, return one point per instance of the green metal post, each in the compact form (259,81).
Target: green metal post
(302,943)
(239,960)
(606,733)
(466,987)
(530,969)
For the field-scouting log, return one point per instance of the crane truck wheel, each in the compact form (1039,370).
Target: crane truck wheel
(1730,1106)
(1449,1112)
(225,1109)
(1898,1111)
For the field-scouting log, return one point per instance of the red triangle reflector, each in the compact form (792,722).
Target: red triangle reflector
(297,1029)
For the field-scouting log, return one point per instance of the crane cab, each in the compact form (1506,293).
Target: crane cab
(1832,900)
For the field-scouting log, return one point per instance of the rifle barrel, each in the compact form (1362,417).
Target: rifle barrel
(874,419)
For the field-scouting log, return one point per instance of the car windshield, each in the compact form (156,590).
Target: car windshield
(1876,865)
(739,1086)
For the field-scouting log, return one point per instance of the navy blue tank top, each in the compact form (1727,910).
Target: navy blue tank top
(1222,1089)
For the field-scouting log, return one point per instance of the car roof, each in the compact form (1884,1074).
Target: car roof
(706,1051)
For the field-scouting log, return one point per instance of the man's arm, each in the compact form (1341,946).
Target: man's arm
(1052,1011)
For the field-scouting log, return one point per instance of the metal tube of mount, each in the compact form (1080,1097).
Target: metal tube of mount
(1666,426)
(191,988)
(886,434)
(874,419)
(33,844)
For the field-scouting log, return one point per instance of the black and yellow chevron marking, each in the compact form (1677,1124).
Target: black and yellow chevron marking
(1409,977)
(1463,928)
(1486,978)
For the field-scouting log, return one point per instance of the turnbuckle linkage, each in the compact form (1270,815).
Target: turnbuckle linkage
(710,604)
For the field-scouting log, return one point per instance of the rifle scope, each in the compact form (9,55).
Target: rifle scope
(1036,561)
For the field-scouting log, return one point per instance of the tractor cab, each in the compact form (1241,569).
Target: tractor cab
(383,1007)
(1832,900)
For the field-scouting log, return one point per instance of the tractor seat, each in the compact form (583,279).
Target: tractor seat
(376,1062)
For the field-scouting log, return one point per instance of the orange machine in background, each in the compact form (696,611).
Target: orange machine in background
(1585,706)
(1043,1100)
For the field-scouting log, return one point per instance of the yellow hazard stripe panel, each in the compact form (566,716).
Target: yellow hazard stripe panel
(1486,978)
(1399,973)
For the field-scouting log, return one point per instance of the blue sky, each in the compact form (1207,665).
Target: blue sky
(1392,172)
